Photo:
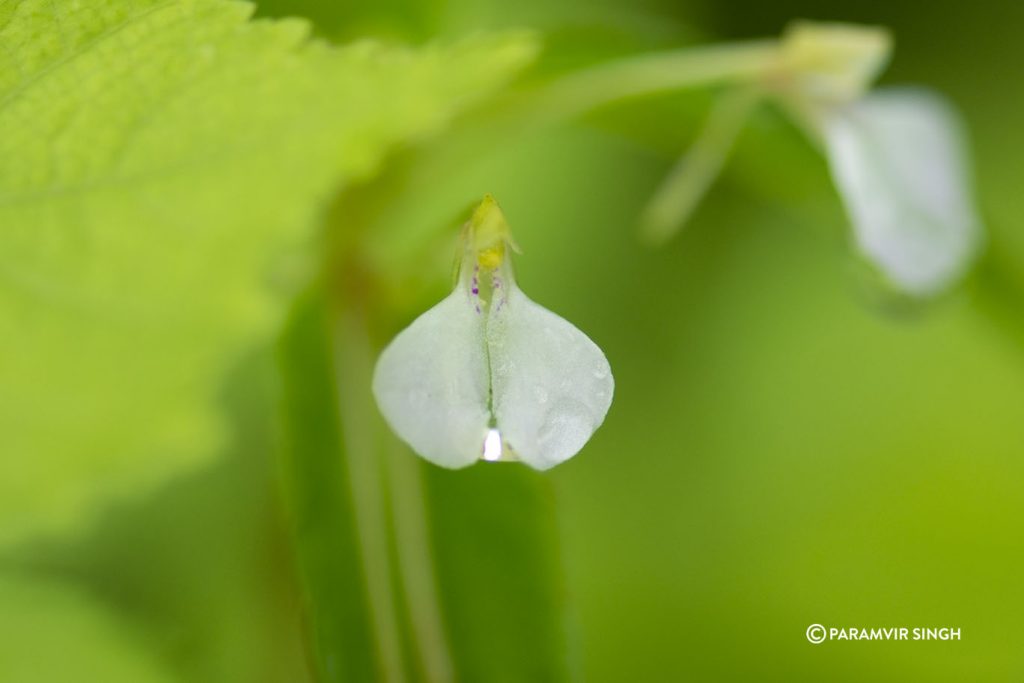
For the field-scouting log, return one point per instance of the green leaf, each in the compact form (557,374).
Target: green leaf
(201,564)
(51,633)
(410,572)
(499,569)
(318,493)
(162,169)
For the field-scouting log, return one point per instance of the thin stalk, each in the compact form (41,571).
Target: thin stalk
(650,74)
(692,176)
(416,565)
(378,465)
(352,363)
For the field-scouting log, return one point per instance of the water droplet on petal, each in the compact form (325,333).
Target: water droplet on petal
(492,445)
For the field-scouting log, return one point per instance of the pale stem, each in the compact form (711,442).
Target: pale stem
(377,463)
(651,74)
(689,180)
(416,564)
(353,363)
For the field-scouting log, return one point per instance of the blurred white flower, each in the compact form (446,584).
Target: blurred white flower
(898,162)
(489,373)
(896,155)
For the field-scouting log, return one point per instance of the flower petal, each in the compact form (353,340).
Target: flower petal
(897,161)
(551,386)
(432,386)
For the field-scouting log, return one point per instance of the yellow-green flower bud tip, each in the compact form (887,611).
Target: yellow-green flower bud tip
(834,62)
(488,233)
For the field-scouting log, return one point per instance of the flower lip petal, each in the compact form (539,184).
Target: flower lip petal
(431,383)
(897,160)
(551,385)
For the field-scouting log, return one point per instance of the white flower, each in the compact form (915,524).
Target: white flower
(896,155)
(898,162)
(488,373)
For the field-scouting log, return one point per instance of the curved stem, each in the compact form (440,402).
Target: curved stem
(650,74)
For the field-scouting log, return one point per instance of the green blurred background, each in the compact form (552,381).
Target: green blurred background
(784,449)
(786,446)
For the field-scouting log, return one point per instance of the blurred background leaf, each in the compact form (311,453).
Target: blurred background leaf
(202,565)
(500,573)
(161,174)
(52,632)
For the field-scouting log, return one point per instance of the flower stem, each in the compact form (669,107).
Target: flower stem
(650,74)
(389,506)
(353,361)
(416,565)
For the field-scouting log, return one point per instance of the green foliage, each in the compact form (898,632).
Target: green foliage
(201,565)
(162,167)
(499,572)
(318,491)
(779,454)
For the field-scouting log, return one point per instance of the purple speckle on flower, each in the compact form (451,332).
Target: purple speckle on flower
(476,290)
